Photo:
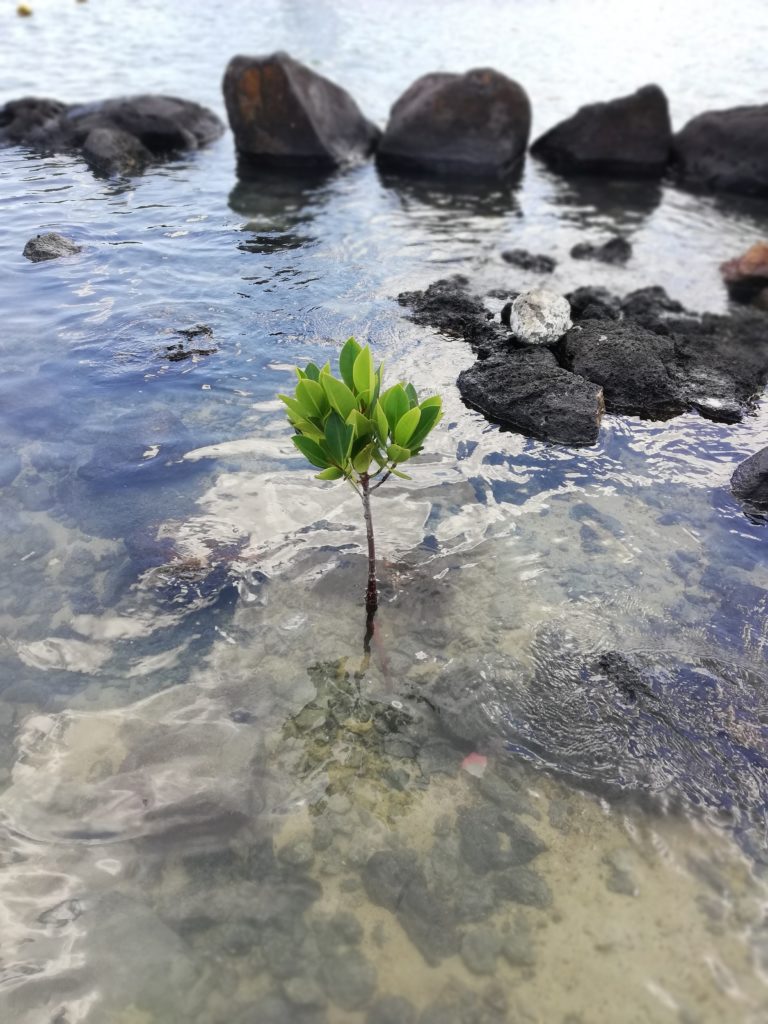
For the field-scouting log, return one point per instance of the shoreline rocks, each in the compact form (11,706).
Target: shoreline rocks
(283,113)
(643,355)
(749,482)
(724,151)
(625,137)
(114,136)
(539,317)
(536,263)
(475,124)
(616,251)
(746,276)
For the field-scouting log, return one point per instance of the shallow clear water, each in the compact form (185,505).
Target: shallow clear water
(200,769)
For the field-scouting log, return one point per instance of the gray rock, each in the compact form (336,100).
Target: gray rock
(479,949)
(616,250)
(449,124)
(524,886)
(298,853)
(529,392)
(626,137)
(50,246)
(620,879)
(391,1010)
(491,839)
(303,991)
(349,979)
(159,126)
(749,482)
(517,947)
(724,150)
(283,113)
(539,317)
(537,264)
(114,151)
(339,929)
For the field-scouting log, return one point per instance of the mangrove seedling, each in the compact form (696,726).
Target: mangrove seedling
(351,429)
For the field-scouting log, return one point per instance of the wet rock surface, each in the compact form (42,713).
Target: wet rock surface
(724,150)
(749,482)
(283,113)
(539,317)
(642,355)
(625,137)
(536,263)
(616,251)
(448,124)
(529,392)
(50,246)
(115,136)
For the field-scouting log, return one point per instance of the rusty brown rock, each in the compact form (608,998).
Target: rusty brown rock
(283,113)
(746,276)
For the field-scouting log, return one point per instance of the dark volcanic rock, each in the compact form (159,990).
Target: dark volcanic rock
(282,112)
(593,303)
(616,250)
(724,150)
(538,264)
(626,137)
(50,246)
(631,365)
(750,480)
(472,124)
(115,136)
(447,306)
(528,391)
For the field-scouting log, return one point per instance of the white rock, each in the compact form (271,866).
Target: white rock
(540,317)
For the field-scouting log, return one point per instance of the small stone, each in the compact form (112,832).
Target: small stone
(50,246)
(304,991)
(349,979)
(297,854)
(339,803)
(479,949)
(540,317)
(620,879)
(616,250)
(339,929)
(517,947)
(525,260)
(391,1010)
(523,885)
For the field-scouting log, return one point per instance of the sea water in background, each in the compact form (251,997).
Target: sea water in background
(214,808)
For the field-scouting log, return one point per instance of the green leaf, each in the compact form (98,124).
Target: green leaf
(308,429)
(432,400)
(361,426)
(326,367)
(395,404)
(403,476)
(362,372)
(362,461)
(413,398)
(338,437)
(311,397)
(332,473)
(339,395)
(299,373)
(398,453)
(311,451)
(430,417)
(406,426)
(295,408)
(312,371)
(382,424)
(347,358)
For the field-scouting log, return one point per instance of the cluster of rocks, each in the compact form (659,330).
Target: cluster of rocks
(478,123)
(115,136)
(551,367)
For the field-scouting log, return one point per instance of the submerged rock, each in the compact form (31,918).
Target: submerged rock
(724,150)
(283,113)
(538,264)
(746,276)
(50,246)
(447,305)
(529,392)
(750,480)
(626,137)
(115,136)
(539,317)
(472,124)
(616,250)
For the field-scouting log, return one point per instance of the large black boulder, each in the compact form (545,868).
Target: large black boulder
(724,150)
(473,124)
(525,389)
(283,113)
(750,480)
(626,137)
(115,136)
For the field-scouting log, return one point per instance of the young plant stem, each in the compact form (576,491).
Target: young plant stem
(372,593)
